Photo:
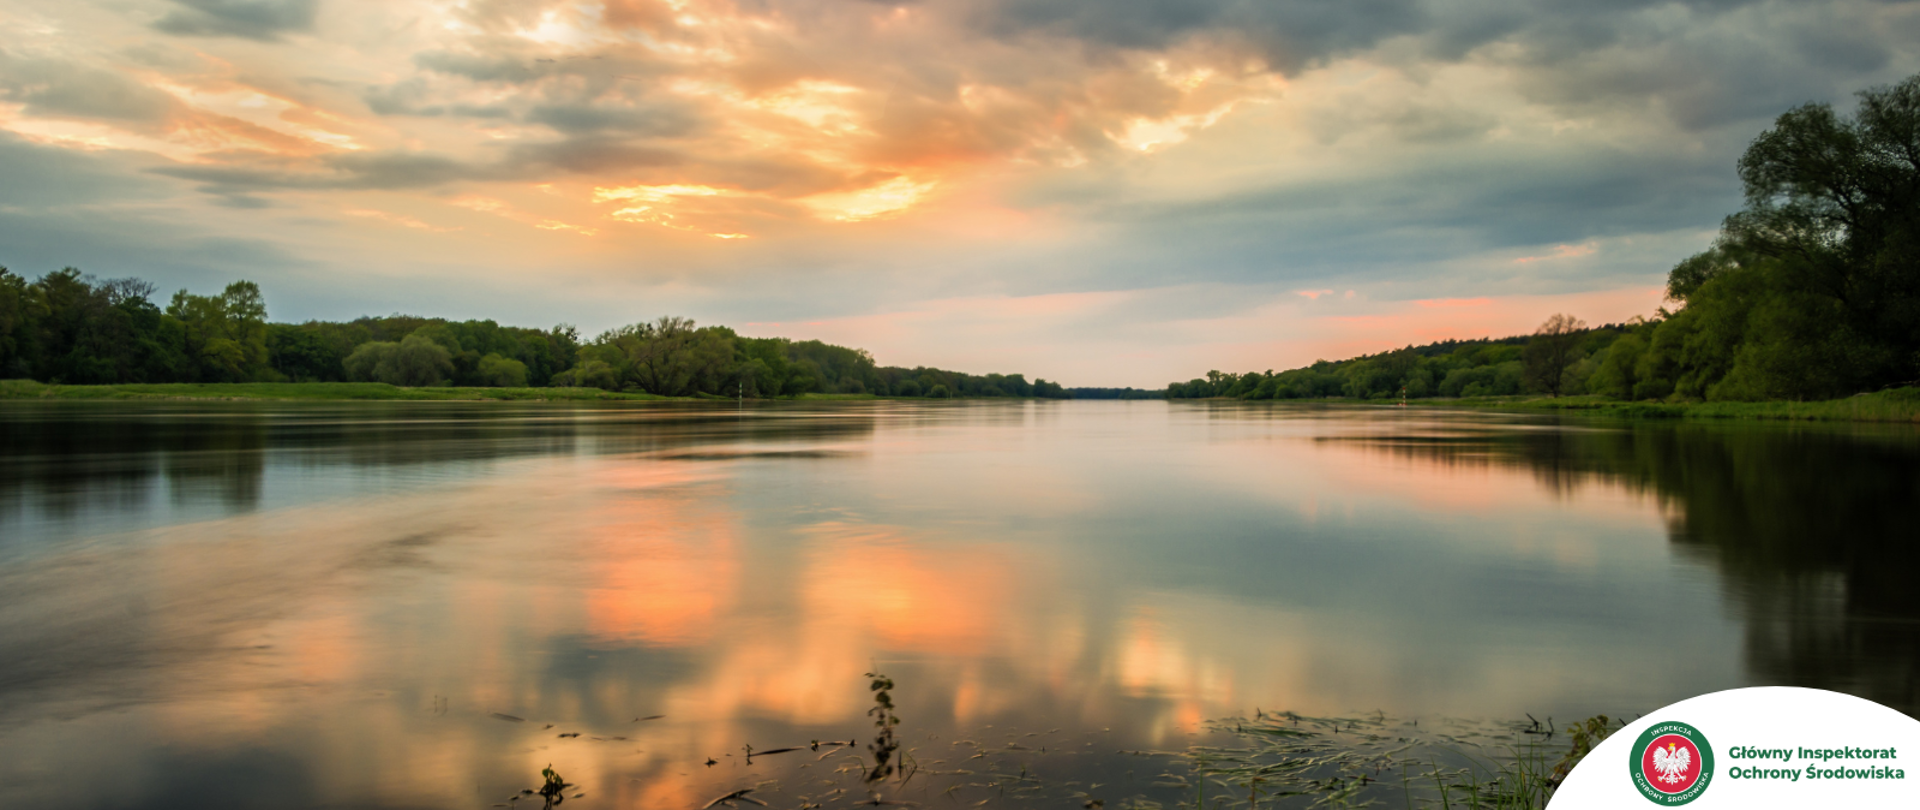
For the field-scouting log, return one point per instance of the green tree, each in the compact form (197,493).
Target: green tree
(501,372)
(225,334)
(415,361)
(1832,218)
(1619,370)
(1553,350)
(17,304)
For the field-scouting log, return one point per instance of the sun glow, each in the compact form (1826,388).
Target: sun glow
(885,199)
(656,203)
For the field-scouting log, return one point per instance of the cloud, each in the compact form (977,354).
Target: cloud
(1701,64)
(644,121)
(1561,252)
(264,20)
(500,208)
(58,88)
(1287,36)
(379,170)
(594,155)
(883,153)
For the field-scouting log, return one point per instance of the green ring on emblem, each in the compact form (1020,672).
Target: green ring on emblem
(1637,755)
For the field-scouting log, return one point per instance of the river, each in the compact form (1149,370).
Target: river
(407,604)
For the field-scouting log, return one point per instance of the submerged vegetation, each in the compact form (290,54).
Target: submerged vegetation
(885,745)
(1811,292)
(1270,760)
(553,788)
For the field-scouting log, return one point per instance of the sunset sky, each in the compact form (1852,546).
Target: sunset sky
(1101,192)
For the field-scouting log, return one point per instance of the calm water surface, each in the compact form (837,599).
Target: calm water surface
(331,605)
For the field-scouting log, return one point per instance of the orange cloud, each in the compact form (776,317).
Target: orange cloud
(786,120)
(489,205)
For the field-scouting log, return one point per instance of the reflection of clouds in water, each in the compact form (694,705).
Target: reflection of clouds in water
(875,581)
(742,593)
(667,569)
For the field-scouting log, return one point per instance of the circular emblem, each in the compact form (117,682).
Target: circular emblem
(1671,764)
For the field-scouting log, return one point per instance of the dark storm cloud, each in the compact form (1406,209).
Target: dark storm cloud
(264,20)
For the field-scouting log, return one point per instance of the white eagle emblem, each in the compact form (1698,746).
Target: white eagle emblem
(1672,763)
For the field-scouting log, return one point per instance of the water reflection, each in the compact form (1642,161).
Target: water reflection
(339,604)
(1811,528)
(78,468)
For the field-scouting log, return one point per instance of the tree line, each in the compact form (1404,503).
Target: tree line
(1811,291)
(74,329)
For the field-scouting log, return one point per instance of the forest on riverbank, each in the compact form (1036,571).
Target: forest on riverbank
(1811,292)
(68,328)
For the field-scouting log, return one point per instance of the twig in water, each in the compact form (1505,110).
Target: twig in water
(736,796)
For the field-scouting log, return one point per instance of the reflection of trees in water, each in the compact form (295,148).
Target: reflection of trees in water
(88,461)
(221,462)
(73,458)
(1812,528)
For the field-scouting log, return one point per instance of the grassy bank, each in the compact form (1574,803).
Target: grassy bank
(28,389)
(1896,405)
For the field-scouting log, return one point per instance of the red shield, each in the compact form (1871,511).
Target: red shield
(1681,761)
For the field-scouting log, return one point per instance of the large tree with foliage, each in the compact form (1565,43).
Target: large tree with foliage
(226,334)
(1552,353)
(1814,287)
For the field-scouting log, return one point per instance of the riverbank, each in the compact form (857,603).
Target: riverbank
(329,391)
(1896,405)
(28,389)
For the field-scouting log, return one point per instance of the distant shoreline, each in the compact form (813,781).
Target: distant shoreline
(375,392)
(1892,406)
(1900,405)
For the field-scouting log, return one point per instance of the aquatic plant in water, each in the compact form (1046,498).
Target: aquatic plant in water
(1290,760)
(554,791)
(885,745)
(1267,762)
